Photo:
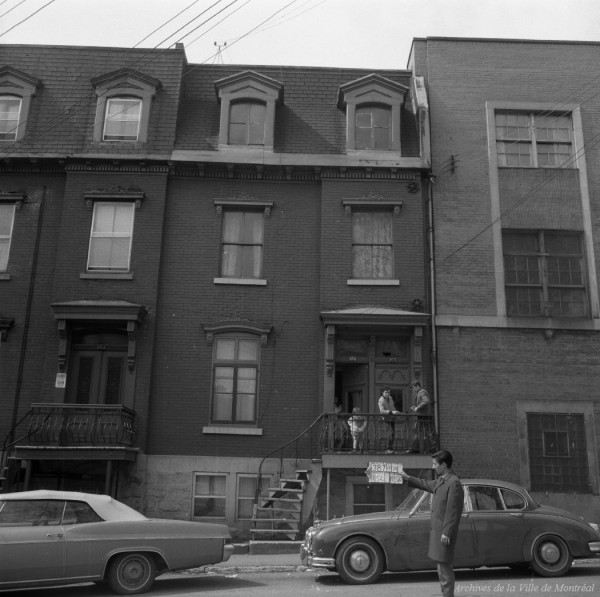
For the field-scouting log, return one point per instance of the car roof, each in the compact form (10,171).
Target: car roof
(493,483)
(105,506)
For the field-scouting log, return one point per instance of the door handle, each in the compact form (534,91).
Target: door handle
(57,535)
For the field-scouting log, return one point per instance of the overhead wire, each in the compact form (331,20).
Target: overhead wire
(27,18)
(13,8)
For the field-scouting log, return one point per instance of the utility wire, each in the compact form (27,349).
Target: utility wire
(27,18)
(11,9)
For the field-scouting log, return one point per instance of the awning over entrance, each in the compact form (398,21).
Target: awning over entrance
(371,315)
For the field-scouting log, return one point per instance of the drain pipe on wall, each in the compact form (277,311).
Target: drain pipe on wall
(28,307)
(433,299)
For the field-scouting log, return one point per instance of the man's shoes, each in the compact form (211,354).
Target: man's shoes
(389,452)
(410,452)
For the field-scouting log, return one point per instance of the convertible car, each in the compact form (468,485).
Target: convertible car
(55,537)
(501,526)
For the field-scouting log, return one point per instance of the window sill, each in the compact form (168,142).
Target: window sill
(241,281)
(4,276)
(106,276)
(356,282)
(223,430)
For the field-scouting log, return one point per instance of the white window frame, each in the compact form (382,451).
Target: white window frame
(533,142)
(138,120)
(7,238)
(11,134)
(96,268)
(224,497)
(12,80)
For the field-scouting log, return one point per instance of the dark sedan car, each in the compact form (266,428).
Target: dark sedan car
(501,526)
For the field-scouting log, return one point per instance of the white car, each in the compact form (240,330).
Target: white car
(58,537)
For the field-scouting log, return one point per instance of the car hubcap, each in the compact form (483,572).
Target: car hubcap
(550,553)
(360,560)
(133,572)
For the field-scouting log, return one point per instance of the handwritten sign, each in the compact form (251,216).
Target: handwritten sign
(385,472)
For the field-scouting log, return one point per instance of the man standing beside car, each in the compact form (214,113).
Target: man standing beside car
(446,511)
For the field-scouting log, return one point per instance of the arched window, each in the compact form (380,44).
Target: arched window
(247,123)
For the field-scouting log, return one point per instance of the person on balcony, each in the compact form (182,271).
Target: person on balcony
(357,424)
(388,408)
(421,407)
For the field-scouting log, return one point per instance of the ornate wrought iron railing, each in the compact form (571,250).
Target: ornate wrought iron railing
(81,425)
(378,433)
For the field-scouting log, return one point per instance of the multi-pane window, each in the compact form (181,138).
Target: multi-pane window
(525,140)
(557,452)
(235,379)
(247,123)
(10,110)
(544,274)
(246,494)
(111,236)
(210,496)
(7,216)
(372,245)
(373,128)
(242,244)
(122,120)
(368,498)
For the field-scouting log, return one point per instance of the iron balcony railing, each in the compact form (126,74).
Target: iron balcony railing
(79,425)
(402,433)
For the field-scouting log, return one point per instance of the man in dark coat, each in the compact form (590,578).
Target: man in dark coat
(446,511)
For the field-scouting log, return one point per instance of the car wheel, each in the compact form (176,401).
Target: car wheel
(359,561)
(131,573)
(551,556)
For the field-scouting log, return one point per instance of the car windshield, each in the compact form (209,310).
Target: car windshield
(411,500)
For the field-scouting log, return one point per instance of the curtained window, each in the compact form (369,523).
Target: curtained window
(242,244)
(372,245)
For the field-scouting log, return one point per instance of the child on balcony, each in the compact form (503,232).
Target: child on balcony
(357,424)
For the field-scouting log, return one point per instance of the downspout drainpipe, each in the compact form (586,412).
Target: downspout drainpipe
(32,275)
(430,231)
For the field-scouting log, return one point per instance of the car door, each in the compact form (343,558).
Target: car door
(32,540)
(499,530)
(419,527)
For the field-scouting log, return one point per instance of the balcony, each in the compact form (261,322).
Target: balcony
(78,431)
(383,434)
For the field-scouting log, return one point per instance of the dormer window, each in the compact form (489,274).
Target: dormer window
(373,128)
(373,106)
(122,120)
(123,108)
(248,105)
(10,109)
(247,123)
(16,91)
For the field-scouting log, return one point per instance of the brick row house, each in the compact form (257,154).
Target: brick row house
(516,207)
(196,263)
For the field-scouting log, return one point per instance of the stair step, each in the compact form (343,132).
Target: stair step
(289,532)
(272,520)
(285,490)
(272,509)
(284,482)
(280,499)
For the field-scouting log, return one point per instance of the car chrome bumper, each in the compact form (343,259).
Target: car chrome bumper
(227,551)
(314,562)
(594,546)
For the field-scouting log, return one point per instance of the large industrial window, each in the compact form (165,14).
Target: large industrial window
(558,452)
(528,140)
(544,274)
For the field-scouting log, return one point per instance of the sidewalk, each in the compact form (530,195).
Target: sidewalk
(258,556)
